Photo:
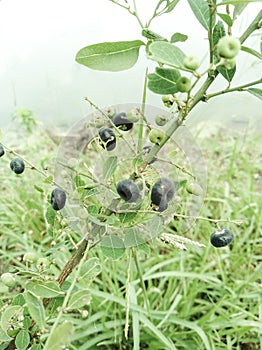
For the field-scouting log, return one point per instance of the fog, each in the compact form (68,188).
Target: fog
(40,38)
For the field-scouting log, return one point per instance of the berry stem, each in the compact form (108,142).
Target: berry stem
(212,12)
(237,88)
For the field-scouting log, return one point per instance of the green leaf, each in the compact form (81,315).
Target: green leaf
(22,340)
(228,74)
(109,167)
(79,299)
(235,2)
(149,34)
(166,53)
(110,56)
(50,215)
(4,337)
(89,270)
(60,337)
(163,81)
(113,247)
(133,238)
(7,315)
(36,347)
(168,6)
(36,308)
(178,37)
(226,18)
(48,180)
(200,9)
(239,8)
(218,32)
(251,52)
(48,289)
(152,228)
(256,92)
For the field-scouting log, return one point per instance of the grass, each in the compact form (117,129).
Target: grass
(200,298)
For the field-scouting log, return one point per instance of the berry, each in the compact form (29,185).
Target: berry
(2,151)
(42,264)
(30,257)
(161,120)
(122,122)
(229,63)
(133,115)
(17,165)
(168,100)
(108,138)
(128,190)
(228,46)
(191,62)
(221,238)
(194,188)
(146,150)
(8,279)
(162,192)
(156,136)
(58,199)
(183,84)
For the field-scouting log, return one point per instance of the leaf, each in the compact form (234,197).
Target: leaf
(149,34)
(133,238)
(109,167)
(239,8)
(36,308)
(50,215)
(176,37)
(89,270)
(163,81)
(256,92)
(166,53)
(228,74)
(60,337)
(4,337)
(48,180)
(79,299)
(152,228)
(226,18)
(200,9)
(7,315)
(48,289)
(113,247)
(218,32)
(110,56)
(251,52)
(22,340)
(234,2)
(168,7)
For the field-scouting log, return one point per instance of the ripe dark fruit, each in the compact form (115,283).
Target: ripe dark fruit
(183,84)
(161,120)
(58,199)
(146,150)
(128,190)
(2,151)
(108,138)
(221,238)
(162,192)
(228,47)
(17,165)
(122,122)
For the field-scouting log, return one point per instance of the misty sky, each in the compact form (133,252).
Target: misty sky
(39,40)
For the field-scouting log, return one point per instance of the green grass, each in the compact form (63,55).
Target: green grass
(201,298)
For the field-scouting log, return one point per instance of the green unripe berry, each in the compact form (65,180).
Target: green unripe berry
(183,84)
(161,120)
(194,188)
(133,115)
(228,46)
(229,63)
(42,264)
(8,279)
(168,100)
(156,136)
(191,62)
(30,257)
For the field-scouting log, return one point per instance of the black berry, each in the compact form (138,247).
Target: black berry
(108,138)
(17,165)
(162,192)
(2,151)
(58,199)
(221,238)
(128,190)
(122,122)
